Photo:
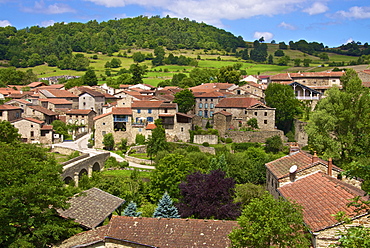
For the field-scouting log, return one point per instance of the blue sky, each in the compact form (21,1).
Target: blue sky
(332,22)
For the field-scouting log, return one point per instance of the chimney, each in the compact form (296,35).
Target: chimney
(330,166)
(315,158)
(293,147)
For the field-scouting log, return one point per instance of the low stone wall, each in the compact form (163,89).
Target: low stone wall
(85,155)
(211,139)
(62,150)
(249,136)
(138,160)
(139,149)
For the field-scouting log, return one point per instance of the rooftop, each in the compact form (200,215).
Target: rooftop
(242,102)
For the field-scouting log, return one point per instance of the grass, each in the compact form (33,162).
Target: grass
(60,158)
(125,173)
(140,155)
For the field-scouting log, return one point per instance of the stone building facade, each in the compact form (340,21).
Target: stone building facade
(82,117)
(9,112)
(34,131)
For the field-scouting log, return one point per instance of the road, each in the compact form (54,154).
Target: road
(81,146)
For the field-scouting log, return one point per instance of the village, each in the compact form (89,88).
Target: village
(316,184)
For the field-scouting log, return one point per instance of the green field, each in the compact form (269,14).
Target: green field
(208,60)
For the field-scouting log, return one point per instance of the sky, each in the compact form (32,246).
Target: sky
(332,22)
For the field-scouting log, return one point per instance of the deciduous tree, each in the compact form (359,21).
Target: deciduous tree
(266,222)
(207,196)
(157,141)
(8,133)
(185,100)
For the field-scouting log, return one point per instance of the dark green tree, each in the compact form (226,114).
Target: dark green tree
(31,192)
(157,141)
(138,57)
(282,98)
(159,54)
(266,222)
(253,123)
(137,71)
(90,78)
(274,144)
(185,100)
(108,141)
(165,208)
(8,133)
(131,210)
(227,74)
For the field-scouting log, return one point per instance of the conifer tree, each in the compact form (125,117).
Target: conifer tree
(131,210)
(165,208)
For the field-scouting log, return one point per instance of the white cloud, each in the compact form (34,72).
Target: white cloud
(40,7)
(47,23)
(109,3)
(4,23)
(348,41)
(355,13)
(287,26)
(266,35)
(316,8)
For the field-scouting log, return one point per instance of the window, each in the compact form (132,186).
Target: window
(82,121)
(210,113)
(211,100)
(31,125)
(17,115)
(211,105)
(103,123)
(103,133)
(139,111)
(71,121)
(149,111)
(200,105)
(32,134)
(182,129)
(206,105)
(265,113)
(265,121)
(149,119)
(255,113)
(200,113)
(139,130)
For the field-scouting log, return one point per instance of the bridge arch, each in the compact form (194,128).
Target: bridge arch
(96,167)
(82,173)
(68,180)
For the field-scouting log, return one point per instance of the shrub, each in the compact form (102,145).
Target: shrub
(206,144)
(228,140)
(192,149)
(290,136)
(240,147)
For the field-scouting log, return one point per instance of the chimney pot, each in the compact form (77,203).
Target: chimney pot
(330,166)
(315,158)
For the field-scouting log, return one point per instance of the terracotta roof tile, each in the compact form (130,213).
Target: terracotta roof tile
(29,119)
(43,110)
(321,197)
(208,94)
(35,84)
(150,126)
(121,111)
(9,107)
(280,167)
(90,92)
(146,104)
(175,233)
(58,93)
(88,237)
(56,101)
(91,207)
(225,113)
(20,101)
(79,111)
(47,127)
(244,102)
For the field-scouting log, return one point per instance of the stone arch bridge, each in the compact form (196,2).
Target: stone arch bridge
(85,164)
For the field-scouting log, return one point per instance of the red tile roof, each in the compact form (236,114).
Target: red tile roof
(79,111)
(220,86)
(20,101)
(58,93)
(121,111)
(146,104)
(244,102)
(208,94)
(35,84)
(225,113)
(43,110)
(90,92)
(150,126)
(175,233)
(47,127)
(56,101)
(321,197)
(29,119)
(9,107)
(52,86)
(280,167)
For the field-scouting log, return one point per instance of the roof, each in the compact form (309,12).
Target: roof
(91,207)
(42,110)
(58,93)
(35,84)
(47,127)
(146,104)
(56,101)
(280,167)
(8,107)
(163,232)
(291,76)
(90,92)
(243,102)
(116,111)
(52,86)
(29,119)
(20,101)
(220,86)
(305,87)
(79,111)
(321,197)
(150,126)
(225,113)
(208,94)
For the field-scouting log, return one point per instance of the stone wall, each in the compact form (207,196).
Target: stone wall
(138,160)
(211,139)
(250,136)
(300,134)
(62,150)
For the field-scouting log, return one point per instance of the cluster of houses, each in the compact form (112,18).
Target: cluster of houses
(315,184)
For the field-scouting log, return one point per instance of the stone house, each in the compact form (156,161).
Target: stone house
(89,99)
(155,232)
(9,112)
(40,113)
(251,89)
(82,117)
(60,94)
(205,103)
(55,104)
(19,103)
(127,122)
(34,131)
(320,81)
(319,188)
(303,92)
(364,76)
(245,108)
